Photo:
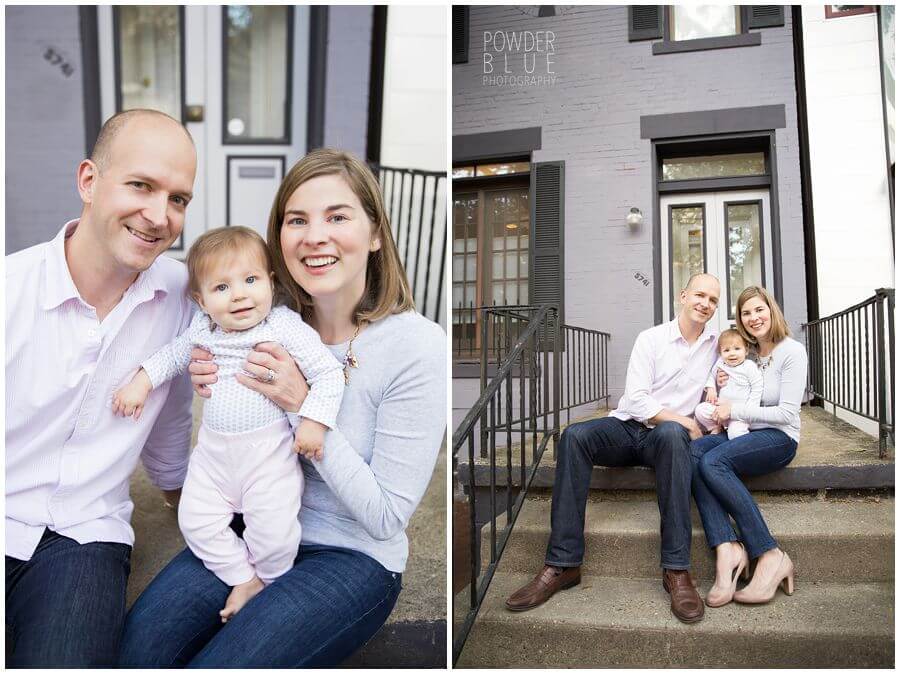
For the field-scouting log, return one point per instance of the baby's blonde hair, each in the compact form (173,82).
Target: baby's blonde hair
(731,335)
(213,244)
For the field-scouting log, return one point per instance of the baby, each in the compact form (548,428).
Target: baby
(745,384)
(243,460)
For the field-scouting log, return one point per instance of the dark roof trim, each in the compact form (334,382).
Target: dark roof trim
(496,144)
(708,122)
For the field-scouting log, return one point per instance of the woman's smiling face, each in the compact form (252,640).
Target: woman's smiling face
(326,239)
(756,318)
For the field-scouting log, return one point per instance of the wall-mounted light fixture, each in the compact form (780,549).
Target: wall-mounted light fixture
(634,218)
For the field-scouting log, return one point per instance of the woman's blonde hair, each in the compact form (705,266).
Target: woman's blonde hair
(779,328)
(387,290)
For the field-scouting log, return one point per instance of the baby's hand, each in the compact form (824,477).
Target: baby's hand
(309,438)
(129,400)
(711,396)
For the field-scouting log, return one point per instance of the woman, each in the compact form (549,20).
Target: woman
(335,262)
(770,445)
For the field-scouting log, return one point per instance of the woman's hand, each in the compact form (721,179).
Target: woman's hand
(723,411)
(286,387)
(203,371)
(721,378)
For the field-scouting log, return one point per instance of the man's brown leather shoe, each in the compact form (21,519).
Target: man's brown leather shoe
(686,603)
(544,585)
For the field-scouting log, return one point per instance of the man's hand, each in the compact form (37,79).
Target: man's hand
(693,428)
(203,371)
(171,497)
(721,378)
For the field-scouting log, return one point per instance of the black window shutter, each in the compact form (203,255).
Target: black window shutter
(545,282)
(645,22)
(766,16)
(460,34)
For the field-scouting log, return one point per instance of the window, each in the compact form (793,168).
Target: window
(744,241)
(714,166)
(688,234)
(491,245)
(835,11)
(257,43)
(148,58)
(693,22)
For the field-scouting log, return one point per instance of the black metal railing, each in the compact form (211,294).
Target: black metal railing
(416,202)
(851,361)
(542,368)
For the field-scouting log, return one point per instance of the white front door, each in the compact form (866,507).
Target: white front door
(236,76)
(726,234)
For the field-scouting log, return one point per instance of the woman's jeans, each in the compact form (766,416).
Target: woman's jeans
(719,492)
(65,606)
(317,614)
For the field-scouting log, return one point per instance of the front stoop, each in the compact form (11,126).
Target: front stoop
(832,455)
(841,613)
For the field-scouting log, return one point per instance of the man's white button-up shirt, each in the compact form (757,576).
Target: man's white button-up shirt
(68,458)
(665,372)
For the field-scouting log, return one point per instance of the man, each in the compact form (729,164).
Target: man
(667,371)
(82,312)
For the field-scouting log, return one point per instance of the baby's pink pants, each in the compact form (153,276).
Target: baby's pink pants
(703,414)
(255,473)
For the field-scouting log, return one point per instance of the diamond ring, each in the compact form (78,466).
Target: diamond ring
(271,376)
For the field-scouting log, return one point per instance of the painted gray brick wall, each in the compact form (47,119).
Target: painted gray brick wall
(347,79)
(44,123)
(591,120)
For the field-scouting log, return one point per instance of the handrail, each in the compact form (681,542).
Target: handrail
(520,339)
(543,320)
(851,371)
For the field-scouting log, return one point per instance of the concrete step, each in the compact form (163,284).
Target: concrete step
(842,540)
(832,455)
(622,622)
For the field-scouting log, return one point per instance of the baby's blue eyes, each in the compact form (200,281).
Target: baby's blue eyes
(250,280)
(221,287)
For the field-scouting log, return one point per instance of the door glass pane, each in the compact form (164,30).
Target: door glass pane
(697,21)
(149,40)
(745,258)
(507,217)
(687,244)
(256,86)
(465,259)
(718,166)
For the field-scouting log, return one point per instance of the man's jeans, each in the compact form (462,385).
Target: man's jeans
(65,607)
(719,492)
(612,442)
(315,615)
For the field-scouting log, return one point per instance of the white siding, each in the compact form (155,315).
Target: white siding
(851,206)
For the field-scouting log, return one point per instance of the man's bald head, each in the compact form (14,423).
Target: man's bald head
(114,126)
(700,275)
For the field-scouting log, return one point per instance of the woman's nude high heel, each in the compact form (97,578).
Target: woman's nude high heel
(783,576)
(716,599)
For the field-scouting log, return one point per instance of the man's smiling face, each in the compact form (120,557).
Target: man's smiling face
(700,299)
(135,199)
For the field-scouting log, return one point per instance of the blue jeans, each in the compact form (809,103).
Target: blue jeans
(719,492)
(66,605)
(612,442)
(317,614)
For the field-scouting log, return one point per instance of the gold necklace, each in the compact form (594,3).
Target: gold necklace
(350,359)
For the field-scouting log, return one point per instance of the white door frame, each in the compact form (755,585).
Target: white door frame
(715,252)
